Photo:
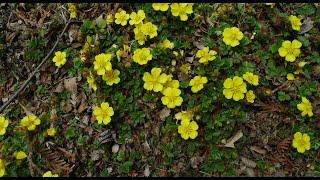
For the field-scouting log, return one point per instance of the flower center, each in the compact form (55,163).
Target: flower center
(302,142)
(290,50)
(188,130)
(233,36)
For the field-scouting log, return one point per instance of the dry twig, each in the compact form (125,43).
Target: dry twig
(35,71)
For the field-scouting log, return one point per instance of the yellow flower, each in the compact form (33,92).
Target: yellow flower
(185,68)
(166,44)
(290,50)
(250,96)
(188,129)
(30,121)
(92,82)
(251,78)
(306,107)
(60,58)
(72,10)
(290,77)
(122,18)
(182,10)
(197,83)
(184,116)
(2,167)
(51,131)
(136,18)
(172,97)
(103,113)
(111,77)
(234,88)
(232,36)
(49,174)
(102,63)
(149,29)
(20,155)
(295,22)
(3,125)
(205,55)
(301,142)
(139,36)
(155,80)
(160,6)
(142,56)
(110,18)
(170,83)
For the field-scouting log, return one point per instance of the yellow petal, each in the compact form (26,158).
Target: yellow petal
(148,86)
(297,135)
(301,149)
(290,57)
(282,51)
(228,93)
(157,87)
(193,134)
(228,83)
(296,44)
(237,96)
(286,44)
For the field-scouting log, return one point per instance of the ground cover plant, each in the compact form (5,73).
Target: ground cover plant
(159,89)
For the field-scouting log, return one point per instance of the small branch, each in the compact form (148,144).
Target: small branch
(30,164)
(276,89)
(35,71)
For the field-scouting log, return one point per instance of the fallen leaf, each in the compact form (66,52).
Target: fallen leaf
(195,161)
(198,44)
(83,106)
(115,148)
(59,88)
(248,162)
(71,85)
(10,37)
(66,106)
(250,172)
(146,147)
(53,115)
(26,109)
(258,150)
(165,112)
(96,154)
(146,171)
(230,143)
(307,25)
(190,59)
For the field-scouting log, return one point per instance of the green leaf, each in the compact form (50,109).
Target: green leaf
(125,167)
(282,96)
(307,9)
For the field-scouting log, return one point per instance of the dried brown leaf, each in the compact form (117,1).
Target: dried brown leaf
(26,109)
(146,171)
(83,106)
(71,85)
(258,150)
(307,25)
(165,112)
(248,162)
(235,138)
(59,88)
(66,106)
(115,148)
